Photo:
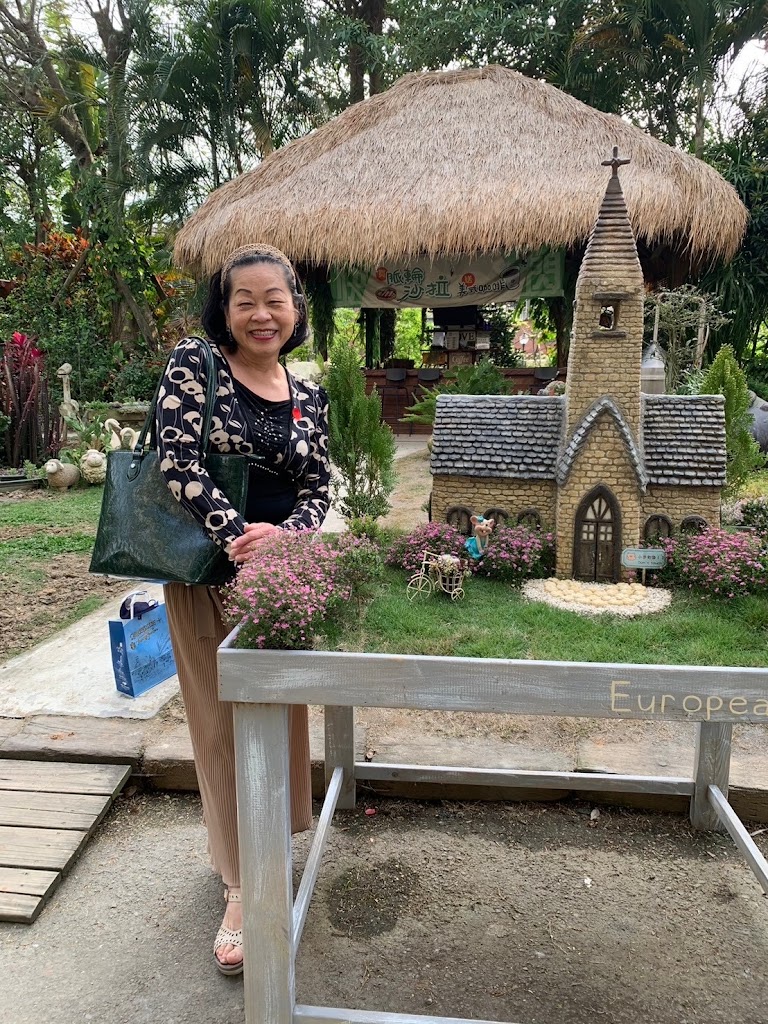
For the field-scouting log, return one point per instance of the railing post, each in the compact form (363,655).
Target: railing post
(340,751)
(711,767)
(264,828)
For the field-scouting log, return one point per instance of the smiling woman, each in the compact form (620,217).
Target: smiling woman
(255,312)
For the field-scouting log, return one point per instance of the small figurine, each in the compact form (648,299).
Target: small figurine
(115,440)
(69,408)
(121,437)
(481,531)
(61,475)
(93,466)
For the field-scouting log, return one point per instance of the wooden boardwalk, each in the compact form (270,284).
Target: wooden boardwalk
(48,810)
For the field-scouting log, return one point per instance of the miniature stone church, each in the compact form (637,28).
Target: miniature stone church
(603,467)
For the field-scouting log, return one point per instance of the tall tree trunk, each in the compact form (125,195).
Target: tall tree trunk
(698,136)
(372,350)
(387,326)
(356,73)
(374,19)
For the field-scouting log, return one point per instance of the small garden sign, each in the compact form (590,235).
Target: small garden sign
(643,558)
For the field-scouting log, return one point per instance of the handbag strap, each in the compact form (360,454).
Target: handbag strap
(147,439)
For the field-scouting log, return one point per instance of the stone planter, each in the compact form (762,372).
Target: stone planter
(131,414)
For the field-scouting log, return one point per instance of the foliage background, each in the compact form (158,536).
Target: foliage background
(119,116)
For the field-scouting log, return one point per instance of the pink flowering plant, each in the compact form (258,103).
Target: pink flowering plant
(749,512)
(516,554)
(408,552)
(296,585)
(716,562)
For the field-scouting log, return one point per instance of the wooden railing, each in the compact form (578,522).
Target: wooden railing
(263,684)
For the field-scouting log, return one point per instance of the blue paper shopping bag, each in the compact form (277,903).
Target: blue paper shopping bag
(142,655)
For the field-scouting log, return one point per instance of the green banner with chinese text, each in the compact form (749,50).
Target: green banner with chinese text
(470,281)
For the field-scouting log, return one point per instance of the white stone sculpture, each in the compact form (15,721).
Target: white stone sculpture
(114,431)
(93,466)
(121,437)
(69,408)
(61,475)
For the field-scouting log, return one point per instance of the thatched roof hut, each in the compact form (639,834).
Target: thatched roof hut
(462,162)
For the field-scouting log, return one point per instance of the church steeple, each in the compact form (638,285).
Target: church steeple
(606,346)
(611,252)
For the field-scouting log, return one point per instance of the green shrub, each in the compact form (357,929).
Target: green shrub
(136,381)
(361,447)
(725,377)
(69,328)
(503,326)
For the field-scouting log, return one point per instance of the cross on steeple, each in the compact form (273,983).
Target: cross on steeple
(615,162)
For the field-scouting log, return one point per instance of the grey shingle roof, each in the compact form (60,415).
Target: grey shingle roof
(497,436)
(684,439)
(520,436)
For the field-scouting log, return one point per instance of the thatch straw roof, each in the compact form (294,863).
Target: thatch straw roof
(461,162)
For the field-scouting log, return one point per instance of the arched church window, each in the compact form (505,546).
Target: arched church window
(459,517)
(530,519)
(499,515)
(657,527)
(693,524)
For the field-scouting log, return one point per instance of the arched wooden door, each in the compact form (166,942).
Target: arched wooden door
(597,538)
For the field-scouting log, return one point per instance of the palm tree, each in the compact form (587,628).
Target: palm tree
(673,55)
(222,91)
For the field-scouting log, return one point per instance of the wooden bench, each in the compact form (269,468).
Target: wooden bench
(264,683)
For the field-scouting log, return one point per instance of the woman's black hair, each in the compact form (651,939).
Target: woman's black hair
(213,319)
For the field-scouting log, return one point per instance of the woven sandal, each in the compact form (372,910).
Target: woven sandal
(228,937)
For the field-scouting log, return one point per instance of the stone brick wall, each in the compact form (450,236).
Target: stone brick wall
(602,461)
(481,493)
(605,362)
(677,503)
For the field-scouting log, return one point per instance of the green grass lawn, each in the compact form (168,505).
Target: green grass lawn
(34,529)
(494,621)
(45,542)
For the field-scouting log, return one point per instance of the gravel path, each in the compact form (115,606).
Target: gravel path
(627,599)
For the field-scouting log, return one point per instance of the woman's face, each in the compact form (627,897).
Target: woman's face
(260,313)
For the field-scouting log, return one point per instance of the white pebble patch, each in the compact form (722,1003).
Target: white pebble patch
(626,599)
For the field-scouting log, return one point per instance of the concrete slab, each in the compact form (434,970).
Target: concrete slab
(408,746)
(168,762)
(9,727)
(77,738)
(71,674)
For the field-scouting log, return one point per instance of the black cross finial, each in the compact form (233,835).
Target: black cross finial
(615,162)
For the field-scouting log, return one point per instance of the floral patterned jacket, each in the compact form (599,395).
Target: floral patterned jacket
(179,425)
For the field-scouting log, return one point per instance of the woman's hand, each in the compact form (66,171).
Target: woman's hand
(243,547)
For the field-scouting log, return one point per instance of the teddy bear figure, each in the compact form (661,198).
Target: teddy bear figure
(481,531)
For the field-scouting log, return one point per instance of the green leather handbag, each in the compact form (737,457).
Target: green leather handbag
(144,532)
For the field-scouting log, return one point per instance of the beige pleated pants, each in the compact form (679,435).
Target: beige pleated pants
(197,628)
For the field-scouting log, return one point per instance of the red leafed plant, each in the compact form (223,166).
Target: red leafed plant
(31,427)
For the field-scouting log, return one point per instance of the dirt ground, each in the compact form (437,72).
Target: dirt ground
(537,914)
(31,610)
(414,484)
(534,914)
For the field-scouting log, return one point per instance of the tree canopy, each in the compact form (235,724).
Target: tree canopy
(120,116)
